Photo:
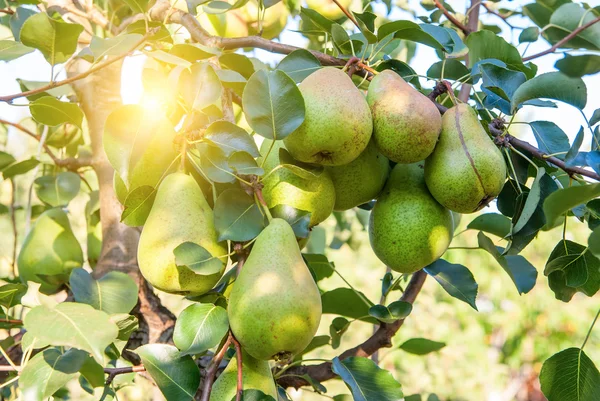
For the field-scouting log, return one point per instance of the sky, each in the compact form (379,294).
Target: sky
(34,67)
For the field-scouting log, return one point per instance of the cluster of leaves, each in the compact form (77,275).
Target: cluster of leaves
(188,87)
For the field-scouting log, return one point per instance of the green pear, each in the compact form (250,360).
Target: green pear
(466,170)
(406,125)
(283,187)
(408,228)
(256,375)
(328,9)
(337,124)
(361,180)
(179,214)
(50,251)
(275,306)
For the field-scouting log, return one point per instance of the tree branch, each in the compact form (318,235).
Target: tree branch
(347,13)
(504,17)
(380,339)
(452,18)
(6,11)
(563,40)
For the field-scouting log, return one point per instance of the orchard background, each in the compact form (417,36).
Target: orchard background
(493,349)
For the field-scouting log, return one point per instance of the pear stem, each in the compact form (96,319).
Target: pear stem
(347,13)
(260,200)
(211,370)
(182,152)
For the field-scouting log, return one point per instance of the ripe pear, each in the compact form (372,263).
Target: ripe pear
(50,251)
(361,180)
(406,125)
(179,214)
(273,23)
(275,306)
(283,187)
(408,228)
(337,125)
(466,170)
(230,24)
(256,375)
(328,9)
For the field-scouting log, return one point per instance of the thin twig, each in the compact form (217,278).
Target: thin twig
(497,14)
(347,13)
(563,40)
(13,219)
(211,370)
(113,372)
(7,11)
(451,17)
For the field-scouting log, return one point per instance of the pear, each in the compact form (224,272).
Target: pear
(273,23)
(328,9)
(256,375)
(275,306)
(337,124)
(283,187)
(408,228)
(179,214)
(361,180)
(406,125)
(50,251)
(466,170)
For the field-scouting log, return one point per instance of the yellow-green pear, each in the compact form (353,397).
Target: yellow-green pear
(361,180)
(337,126)
(50,251)
(328,8)
(406,125)
(283,187)
(408,228)
(466,170)
(230,24)
(273,23)
(275,306)
(256,375)
(179,214)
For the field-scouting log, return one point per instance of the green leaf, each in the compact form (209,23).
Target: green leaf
(565,20)
(200,327)
(319,21)
(501,81)
(492,223)
(595,118)
(238,63)
(574,150)
(552,85)
(570,375)
(11,294)
(197,259)
(168,58)
(237,216)
(529,35)
(242,163)
(115,292)
(93,372)
(453,69)
(521,272)
(347,302)
(366,24)
(200,86)
(10,50)
(214,164)
(48,371)
(255,395)
(421,346)
(298,219)
(64,90)
(578,66)
(100,48)
(74,325)
(550,138)
(56,39)
(50,111)
(531,203)
(456,279)
(316,342)
(299,64)
(57,190)
(569,265)
(563,200)
(19,168)
(265,92)
(193,52)
(138,205)
(176,375)
(593,243)
(485,45)
(408,30)
(230,138)
(6,159)
(366,380)
(138,6)
(18,19)
(319,265)
(389,314)
(233,80)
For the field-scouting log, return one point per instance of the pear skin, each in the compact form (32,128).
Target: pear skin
(408,228)
(275,306)
(256,375)
(406,125)
(283,187)
(179,214)
(337,126)
(466,170)
(49,252)
(361,180)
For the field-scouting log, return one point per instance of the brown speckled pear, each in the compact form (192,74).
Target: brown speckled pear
(256,375)
(180,214)
(337,125)
(361,180)
(409,229)
(406,125)
(275,306)
(466,170)
(283,187)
